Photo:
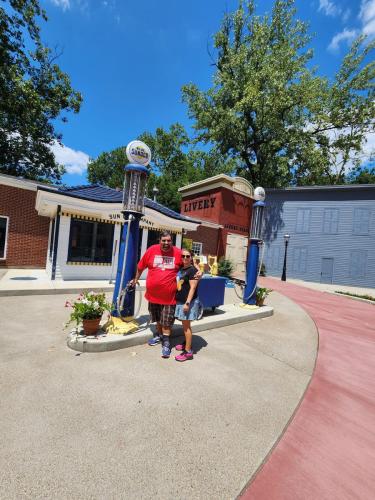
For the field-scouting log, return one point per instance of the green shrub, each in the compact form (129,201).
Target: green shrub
(225,268)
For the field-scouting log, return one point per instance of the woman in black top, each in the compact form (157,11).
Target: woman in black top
(187,303)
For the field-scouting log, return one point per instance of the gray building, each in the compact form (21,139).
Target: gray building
(332,233)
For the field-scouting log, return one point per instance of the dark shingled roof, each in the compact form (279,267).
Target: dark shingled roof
(102,194)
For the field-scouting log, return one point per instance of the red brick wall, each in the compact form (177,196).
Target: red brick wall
(203,206)
(27,231)
(220,205)
(208,236)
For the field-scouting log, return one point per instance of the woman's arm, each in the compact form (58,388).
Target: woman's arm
(193,285)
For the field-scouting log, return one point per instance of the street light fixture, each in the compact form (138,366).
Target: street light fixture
(155,190)
(286,240)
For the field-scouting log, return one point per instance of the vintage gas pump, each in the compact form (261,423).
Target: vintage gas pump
(256,241)
(135,181)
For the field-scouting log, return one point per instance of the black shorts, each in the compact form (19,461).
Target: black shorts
(161,313)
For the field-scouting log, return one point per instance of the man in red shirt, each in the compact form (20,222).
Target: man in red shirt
(163,262)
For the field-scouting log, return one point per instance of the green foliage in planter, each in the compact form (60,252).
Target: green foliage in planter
(89,305)
(262,293)
(225,268)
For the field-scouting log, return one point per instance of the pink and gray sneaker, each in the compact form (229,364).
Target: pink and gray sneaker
(184,356)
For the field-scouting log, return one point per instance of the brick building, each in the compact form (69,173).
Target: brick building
(23,233)
(223,204)
(73,233)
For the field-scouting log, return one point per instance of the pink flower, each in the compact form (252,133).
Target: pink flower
(68,304)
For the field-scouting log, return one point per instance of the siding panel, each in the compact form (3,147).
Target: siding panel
(345,216)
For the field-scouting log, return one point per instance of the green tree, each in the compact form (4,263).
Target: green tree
(175,163)
(108,168)
(362,176)
(269,110)
(34,92)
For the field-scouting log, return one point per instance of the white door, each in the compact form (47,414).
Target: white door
(236,251)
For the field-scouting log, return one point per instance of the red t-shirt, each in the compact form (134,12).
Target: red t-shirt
(162,267)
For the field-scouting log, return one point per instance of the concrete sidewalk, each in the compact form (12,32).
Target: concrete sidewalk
(17,282)
(128,424)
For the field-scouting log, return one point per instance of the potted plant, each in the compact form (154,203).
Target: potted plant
(261,295)
(225,268)
(88,309)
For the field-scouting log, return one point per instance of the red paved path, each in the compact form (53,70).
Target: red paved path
(328,450)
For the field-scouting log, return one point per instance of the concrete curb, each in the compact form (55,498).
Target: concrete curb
(56,291)
(52,291)
(353,298)
(224,316)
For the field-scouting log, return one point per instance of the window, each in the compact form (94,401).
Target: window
(361,221)
(299,264)
(4,222)
(273,258)
(358,261)
(303,220)
(90,241)
(330,221)
(197,248)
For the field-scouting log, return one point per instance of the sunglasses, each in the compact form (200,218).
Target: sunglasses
(186,256)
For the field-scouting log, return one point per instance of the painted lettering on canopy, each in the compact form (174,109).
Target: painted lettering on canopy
(199,204)
(234,227)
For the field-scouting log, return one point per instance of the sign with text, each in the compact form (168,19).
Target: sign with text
(203,204)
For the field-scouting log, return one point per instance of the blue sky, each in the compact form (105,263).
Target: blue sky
(130,58)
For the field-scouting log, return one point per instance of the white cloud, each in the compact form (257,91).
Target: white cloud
(329,8)
(367,12)
(75,162)
(346,35)
(64,4)
(366,16)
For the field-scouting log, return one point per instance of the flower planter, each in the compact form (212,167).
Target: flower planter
(260,302)
(91,326)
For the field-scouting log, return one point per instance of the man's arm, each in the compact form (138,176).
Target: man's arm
(135,280)
(142,264)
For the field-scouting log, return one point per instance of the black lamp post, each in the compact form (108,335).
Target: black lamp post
(286,239)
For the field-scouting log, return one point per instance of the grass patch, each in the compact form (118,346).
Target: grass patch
(367,297)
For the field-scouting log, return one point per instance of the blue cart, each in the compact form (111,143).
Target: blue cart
(211,291)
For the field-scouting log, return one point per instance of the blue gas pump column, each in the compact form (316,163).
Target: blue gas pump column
(255,242)
(133,201)
(123,300)
(135,181)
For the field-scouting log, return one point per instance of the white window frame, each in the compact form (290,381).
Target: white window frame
(201,248)
(355,256)
(6,236)
(303,218)
(331,221)
(299,262)
(358,222)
